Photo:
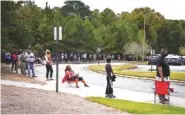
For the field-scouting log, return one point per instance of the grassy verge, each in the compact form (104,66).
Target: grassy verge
(139,62)
(137,107)
(127,69)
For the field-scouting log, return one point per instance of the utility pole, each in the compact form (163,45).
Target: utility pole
(144,40)
(57,37)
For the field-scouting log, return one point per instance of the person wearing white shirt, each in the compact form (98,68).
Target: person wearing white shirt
(30,59)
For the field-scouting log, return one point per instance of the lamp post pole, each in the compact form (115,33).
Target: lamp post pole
(99,50)
(57,37)
(144,40)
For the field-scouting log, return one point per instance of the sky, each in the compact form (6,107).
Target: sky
(170,9)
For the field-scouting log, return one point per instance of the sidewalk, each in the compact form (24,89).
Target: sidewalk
(18,100)
(96,90)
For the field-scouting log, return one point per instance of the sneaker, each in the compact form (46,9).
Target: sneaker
(77,87)
(86,85)
(47,79)
(51,79)
(112,96)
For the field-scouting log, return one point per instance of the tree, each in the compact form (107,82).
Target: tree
(8,23)
(24,23)
(107,16)
(153,22)
(134,49)
(182,50)
(75,8)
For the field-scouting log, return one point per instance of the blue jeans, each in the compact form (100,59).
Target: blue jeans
(31,68)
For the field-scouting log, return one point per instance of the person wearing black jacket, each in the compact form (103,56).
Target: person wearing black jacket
(163,70)
(110,79)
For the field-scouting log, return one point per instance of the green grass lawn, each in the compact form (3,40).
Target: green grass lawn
(137,107)
(127,69)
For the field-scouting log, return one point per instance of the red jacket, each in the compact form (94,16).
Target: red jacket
(67,76)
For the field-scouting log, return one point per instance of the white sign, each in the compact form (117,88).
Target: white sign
(55,33)
(99,49)
(58,33)
(152,52)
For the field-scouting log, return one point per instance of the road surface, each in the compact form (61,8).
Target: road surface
(124,88)
(132,87)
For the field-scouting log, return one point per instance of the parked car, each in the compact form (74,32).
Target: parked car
(183,59)
(152,60)
(177,60)
(168,59)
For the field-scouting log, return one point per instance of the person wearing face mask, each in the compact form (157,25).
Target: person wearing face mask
(163,70)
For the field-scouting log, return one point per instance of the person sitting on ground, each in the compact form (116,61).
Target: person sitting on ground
(71,76)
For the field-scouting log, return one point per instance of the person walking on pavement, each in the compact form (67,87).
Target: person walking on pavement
(49,68)
(163,71)
(109,75)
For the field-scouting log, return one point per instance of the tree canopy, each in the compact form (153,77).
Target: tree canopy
(23,23)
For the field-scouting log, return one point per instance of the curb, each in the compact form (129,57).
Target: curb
(175,81)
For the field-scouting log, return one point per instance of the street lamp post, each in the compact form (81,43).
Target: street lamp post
(152,54)
(144,40)
(99,50)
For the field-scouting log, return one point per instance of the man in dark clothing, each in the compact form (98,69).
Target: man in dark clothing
(109,73)
(163,70)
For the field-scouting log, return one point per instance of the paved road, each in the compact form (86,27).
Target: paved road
(125,88)
(124,83)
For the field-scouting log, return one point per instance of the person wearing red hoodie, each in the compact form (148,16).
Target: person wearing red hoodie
(14,61)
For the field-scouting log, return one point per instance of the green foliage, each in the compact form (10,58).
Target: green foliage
(24,24)
(126,69)
(182,50)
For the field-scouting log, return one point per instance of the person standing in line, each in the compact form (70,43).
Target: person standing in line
(62,57)
(7,57)
(109,75)
(65,57)
(23,63)
(163,71)
(30,59)
(14,61)
(49,68)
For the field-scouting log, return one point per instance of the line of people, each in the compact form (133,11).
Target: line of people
(23,60)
